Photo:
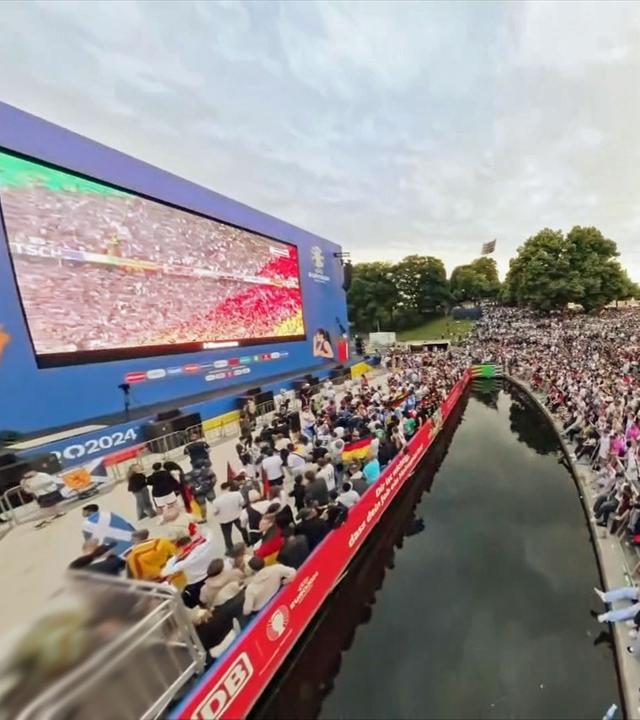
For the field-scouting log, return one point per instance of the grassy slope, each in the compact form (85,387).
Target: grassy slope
(435,328)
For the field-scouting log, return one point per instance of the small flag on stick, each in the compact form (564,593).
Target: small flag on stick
(488,247)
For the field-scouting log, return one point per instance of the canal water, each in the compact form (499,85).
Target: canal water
(472,598)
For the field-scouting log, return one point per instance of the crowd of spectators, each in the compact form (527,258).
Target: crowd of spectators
(587,367)
(293,490)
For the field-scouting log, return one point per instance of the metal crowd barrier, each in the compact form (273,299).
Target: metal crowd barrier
(141,649)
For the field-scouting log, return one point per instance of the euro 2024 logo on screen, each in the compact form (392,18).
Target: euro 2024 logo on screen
(318,262)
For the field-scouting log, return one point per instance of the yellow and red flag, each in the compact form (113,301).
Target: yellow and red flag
(357,450)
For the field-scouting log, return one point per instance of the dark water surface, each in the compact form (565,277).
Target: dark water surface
(484,613)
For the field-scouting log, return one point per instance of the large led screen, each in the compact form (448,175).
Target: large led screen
(105,274)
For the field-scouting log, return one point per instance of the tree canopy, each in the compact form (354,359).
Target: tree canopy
(552,269)
(476,281)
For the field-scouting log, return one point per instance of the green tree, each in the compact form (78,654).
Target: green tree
(372,297)
(551,270)
(422,284)
(477,280)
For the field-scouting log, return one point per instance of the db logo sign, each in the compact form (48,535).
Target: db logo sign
(226,690)
(278,623)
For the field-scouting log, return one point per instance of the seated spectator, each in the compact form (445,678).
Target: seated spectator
(221,584)
(295,549)
(312,526)
(624,593)
(264,584)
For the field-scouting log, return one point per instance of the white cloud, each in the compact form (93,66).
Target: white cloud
(389,127)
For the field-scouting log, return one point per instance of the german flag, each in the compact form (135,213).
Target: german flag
(356,450)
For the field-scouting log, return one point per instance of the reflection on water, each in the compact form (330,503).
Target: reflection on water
(485,613)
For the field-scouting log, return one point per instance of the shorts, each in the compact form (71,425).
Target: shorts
(164,500)
(49,499)
(276,481)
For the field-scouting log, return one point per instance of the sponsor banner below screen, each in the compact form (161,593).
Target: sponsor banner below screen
(212,371)
(231,689)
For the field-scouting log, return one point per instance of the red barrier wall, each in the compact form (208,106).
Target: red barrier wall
(232,687)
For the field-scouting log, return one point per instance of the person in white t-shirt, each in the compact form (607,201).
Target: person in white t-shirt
(227,508)
(272,466)
(327,473)
(46,490)
(348,497)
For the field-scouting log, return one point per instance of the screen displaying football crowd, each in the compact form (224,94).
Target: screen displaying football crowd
(100,269)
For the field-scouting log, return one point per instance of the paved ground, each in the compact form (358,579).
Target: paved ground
(616,564)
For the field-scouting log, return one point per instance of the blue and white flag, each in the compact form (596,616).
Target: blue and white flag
(107,527)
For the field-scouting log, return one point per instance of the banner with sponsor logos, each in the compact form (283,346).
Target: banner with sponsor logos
(232,687)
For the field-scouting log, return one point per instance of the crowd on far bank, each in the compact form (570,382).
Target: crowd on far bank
(588,368)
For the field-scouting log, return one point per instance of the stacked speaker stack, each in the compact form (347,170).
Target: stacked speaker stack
(169,430)
(263,400)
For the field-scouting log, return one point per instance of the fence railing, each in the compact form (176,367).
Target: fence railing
(142,649)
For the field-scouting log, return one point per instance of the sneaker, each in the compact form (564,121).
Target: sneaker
(599,593)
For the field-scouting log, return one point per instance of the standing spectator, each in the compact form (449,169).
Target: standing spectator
(198,450)
(312,526)
(295,549)
(272,466)
(137,484)
(46,490)
(107,528)
(227,508)
(164,487)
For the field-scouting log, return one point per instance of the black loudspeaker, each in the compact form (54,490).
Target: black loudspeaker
(8,458)
(48,463)
(160,436)
(10,475)
(348,275)
(263,401)
(294,421)
(253,391)
(187,422)
(168,414)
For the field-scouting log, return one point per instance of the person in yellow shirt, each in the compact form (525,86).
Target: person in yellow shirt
(148,556)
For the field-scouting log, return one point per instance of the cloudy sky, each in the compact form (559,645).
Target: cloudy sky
(392,128)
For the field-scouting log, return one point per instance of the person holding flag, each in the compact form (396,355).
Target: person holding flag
(107,528)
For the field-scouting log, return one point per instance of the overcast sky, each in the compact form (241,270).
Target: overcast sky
(391,128)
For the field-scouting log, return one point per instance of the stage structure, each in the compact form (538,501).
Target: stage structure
(117,277)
